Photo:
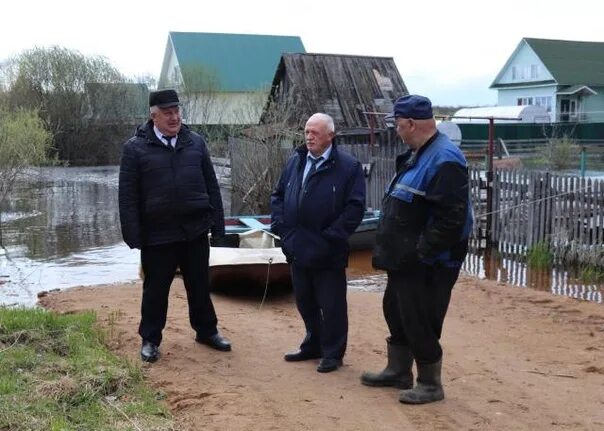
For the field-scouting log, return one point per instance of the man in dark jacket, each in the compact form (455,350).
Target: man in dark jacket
(421,241)
(317,204)
(169,200)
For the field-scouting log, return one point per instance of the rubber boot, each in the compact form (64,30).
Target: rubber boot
(398,372)
(429,387)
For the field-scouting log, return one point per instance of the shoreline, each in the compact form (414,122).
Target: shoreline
(515,358)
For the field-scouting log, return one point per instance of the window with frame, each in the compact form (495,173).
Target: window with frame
(545,101)
(524,101)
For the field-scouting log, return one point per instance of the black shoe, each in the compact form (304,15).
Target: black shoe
(301,355)
(149,352)
(215,341)
(329,364)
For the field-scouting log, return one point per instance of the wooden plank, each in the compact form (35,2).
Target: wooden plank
(599,193)
(515,197)
(531,211)
(580,222)
(550,195)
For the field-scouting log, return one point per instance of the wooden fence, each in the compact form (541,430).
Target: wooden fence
(564,212)
(529,207)
(378,157)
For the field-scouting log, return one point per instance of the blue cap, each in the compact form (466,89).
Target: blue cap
(412,106)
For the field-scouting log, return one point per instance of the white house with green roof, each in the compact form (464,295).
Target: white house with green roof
(566,77)
(223,78)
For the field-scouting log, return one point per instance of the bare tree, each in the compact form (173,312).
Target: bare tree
(257,158)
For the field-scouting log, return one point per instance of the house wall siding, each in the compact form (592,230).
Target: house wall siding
(509,96)
(223,108)
(523,59)
(593,106)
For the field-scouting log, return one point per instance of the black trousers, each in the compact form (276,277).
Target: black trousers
(415,304)
(159,264)
(321,301)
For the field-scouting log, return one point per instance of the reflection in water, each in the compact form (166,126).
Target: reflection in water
(62,210)
(492,265)
(61,229)
(359,265)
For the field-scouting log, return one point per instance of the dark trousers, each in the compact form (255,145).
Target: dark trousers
(321,301)
(159,265)
(415,305)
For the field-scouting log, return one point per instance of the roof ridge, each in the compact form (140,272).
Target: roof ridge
(337,55)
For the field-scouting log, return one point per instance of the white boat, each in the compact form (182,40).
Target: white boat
(251,263)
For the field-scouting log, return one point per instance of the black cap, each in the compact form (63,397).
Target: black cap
(163,98)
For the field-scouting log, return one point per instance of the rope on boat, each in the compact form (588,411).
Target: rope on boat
(268,274)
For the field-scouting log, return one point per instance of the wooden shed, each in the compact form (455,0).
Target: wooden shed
(346,87)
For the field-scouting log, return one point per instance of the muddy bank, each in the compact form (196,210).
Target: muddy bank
(515,359)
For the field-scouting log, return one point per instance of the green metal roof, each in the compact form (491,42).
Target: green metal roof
(571,62)
(238,62)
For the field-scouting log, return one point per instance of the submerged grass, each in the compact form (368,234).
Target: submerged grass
(591,274)
(57,374)
(540,256)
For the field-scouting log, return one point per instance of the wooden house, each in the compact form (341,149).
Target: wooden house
(566,77)
(223,78)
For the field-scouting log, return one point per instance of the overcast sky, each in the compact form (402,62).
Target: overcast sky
(448,50)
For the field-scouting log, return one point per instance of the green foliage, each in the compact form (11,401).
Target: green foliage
(56,374)
(54,81)
(24,142)
(560,153)
(539,256)
(591,274)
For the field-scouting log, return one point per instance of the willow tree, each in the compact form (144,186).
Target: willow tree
(24,142)
(53,82)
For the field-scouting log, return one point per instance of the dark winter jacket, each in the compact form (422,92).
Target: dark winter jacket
(426,212)
(314,227)
(167,194)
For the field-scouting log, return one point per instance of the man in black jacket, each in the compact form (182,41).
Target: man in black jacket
(317,204)
(421,241)
(169,200)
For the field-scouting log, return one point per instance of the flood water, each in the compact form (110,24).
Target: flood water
(493,266)
(60,229)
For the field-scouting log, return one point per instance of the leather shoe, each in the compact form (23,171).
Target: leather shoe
(149,352)
(301,355)
(329,364)
(215,341)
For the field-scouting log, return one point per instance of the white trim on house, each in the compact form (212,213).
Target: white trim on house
(577,89)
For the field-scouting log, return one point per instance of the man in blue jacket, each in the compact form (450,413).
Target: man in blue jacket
(421,241)
(317,204)
(169,200)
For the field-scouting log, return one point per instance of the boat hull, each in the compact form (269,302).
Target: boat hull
(255,264)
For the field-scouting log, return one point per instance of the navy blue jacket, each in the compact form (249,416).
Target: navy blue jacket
(426,212)
(314,228)
(167,194)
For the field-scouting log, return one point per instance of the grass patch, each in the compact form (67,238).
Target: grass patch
(591,274)
(56,374)
(539,256)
